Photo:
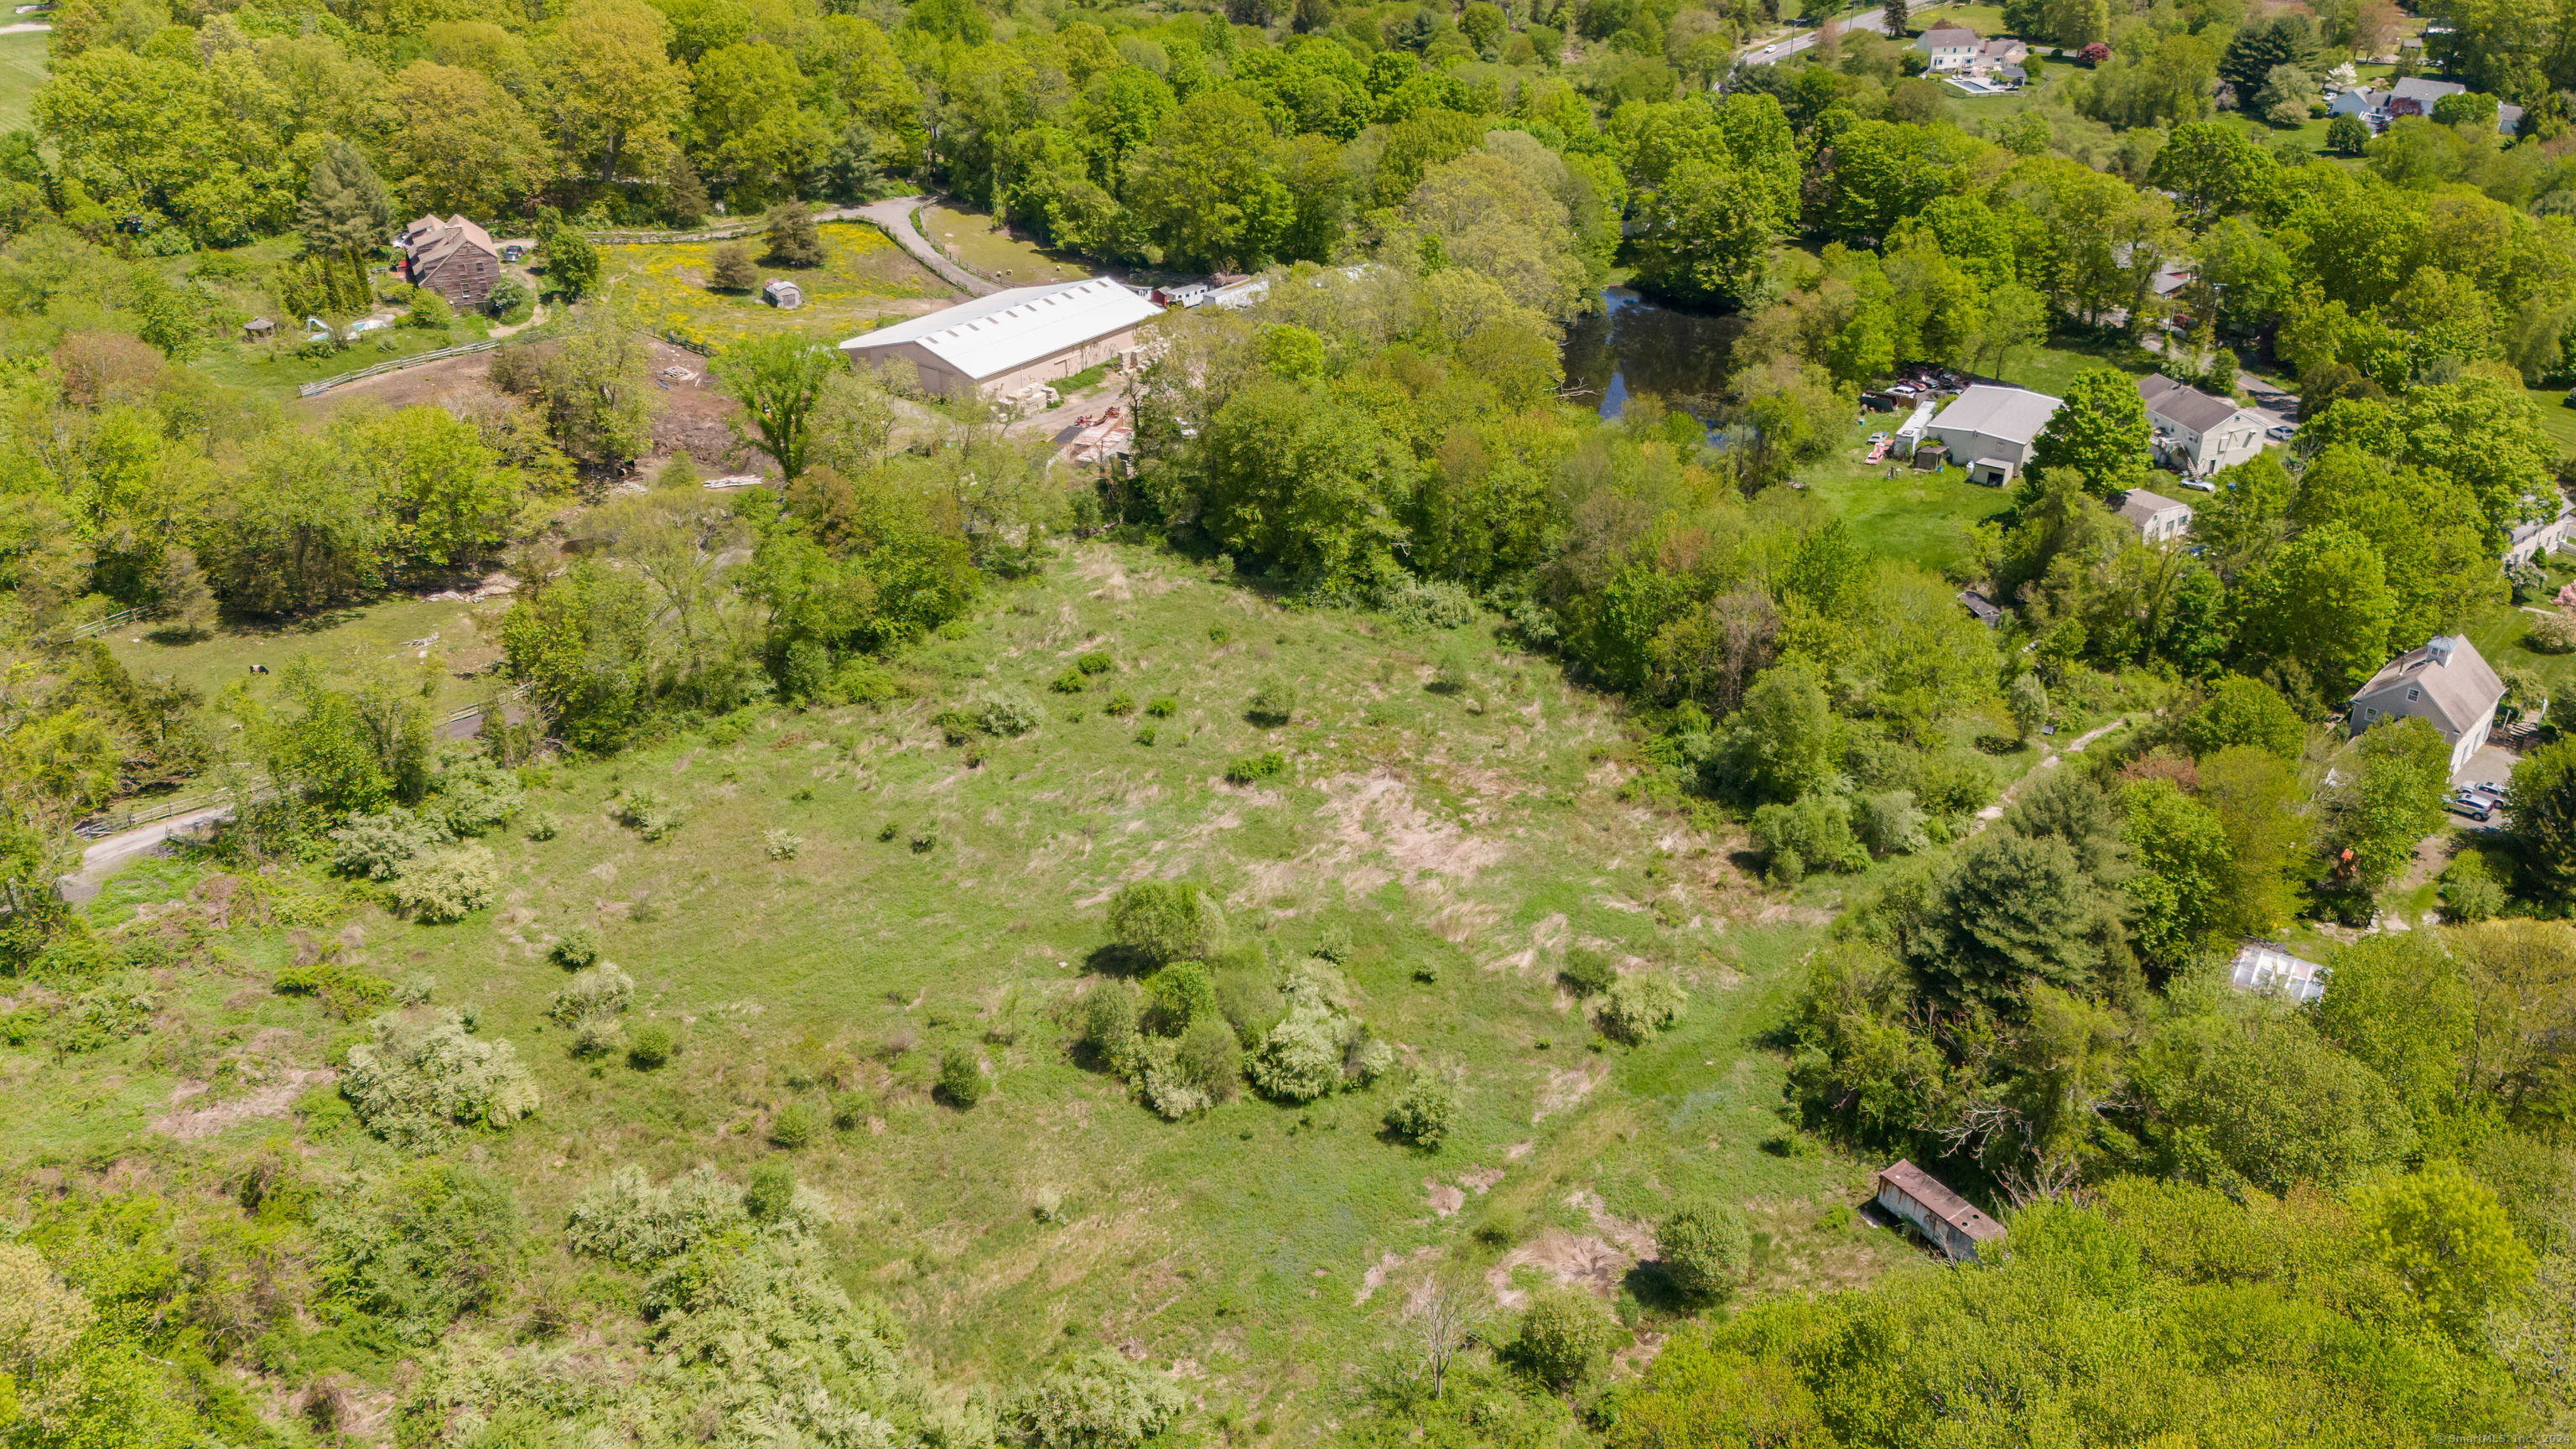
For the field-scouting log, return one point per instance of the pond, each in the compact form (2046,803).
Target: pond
(1636,345)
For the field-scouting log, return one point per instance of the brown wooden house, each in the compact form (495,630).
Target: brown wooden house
(454,258)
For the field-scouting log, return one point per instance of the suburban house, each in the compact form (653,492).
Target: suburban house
(454,258)
(782,294)
(1951,1223)
(1013,340)
(2196,433)
(2446,683)
(1952,47)
(2157,519)
(2529,540)
(1991,429)
(2413,96)
(2267,967)
(1997,53)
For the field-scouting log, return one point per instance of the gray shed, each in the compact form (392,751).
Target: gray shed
(782,294)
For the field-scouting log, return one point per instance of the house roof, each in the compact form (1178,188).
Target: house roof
(2452,674)
(2268,965)
(1941,1202)
(1986,611)
(2416,88)
(2187,406)
(2508,119)
(2011,413)
(1948,37)
(450,237)
(1011,329)
(2141,507)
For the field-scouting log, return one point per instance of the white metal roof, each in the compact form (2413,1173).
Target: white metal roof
(2011,413)
(1011,329)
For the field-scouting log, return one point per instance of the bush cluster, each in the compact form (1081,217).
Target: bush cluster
(1251,769)
(415,1082)
(1422,1115)
(1704,1249)
(448,885)
(1165,921)
(647,813)
(1637,1007)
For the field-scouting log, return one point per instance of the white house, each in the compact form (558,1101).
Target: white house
(1990,430)
(1950,1221)
(1011,341)
(2529,540)
(1952,47)
(2157,519)
(2446,683)
(2370,105)
(2268,967)
(2195,432)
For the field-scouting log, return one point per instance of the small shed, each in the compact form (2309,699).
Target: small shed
(1985,610)
(258,329)
(782,294)
(1949,1221)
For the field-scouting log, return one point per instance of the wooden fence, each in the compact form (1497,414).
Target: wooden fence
(314,389)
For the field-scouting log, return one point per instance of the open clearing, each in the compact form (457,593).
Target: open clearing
(1464,842)
(865,282)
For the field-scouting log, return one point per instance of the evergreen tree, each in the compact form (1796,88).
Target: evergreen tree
(734,270)
(792,239)
(346,211)
(1897,19)
(2280,39)
(684,194)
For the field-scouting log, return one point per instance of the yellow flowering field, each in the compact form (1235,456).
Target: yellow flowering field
(866,281)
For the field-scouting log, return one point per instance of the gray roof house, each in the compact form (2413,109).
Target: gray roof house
(1990,429)
(1951,1222)
(2196,432)
(2157,519)
(2547,536)
(2414,96)
(1952,47)
(2446,683)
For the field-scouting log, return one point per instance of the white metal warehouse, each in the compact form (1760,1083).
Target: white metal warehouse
(1010,341)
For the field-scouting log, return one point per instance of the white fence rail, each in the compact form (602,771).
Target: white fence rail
(78,632)
(314,389)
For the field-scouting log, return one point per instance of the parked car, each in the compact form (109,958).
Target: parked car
(2281,432)
(2470,803)
(2200,485)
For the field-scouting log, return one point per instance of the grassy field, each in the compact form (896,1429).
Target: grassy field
(2557,419)
(987,248)
(22,69)
(865,282)
(1924,517)
(468,637)
(1458,843)
(275,365)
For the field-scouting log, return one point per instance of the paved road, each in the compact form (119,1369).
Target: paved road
(105,858)
(895,215)
(1777,51)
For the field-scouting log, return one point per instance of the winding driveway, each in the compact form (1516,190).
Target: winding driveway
(894,215)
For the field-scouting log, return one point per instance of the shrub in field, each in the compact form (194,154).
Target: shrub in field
(342,990)
(544,826)
(2469,892)
(650,1045)
(578,947)
(1273,702)
(1095,662)
(377,847)
(1250,769)
(1155,1067)
(1588,973)
(1366,1060)
(1564,1336)
(1251,1001)
(447,885)
(772,1194)
(474,795)
(1640,1006)
(1423,1113)
(782,844)
(1704,1249)
(647,813)
(1069,682)
(1300,1059)
(795,1127)
(1008,711)
(419,1249)
(1107,1021)
(1426,603)
(1162,706)
(634,1224)
(1119,706)
(1178,995)
(416,1082)
(1165,920)
(601,990)
(961,1078)
(1212,1059)
(1098,1402)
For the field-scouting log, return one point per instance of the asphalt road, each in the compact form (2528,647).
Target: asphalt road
(1777,51)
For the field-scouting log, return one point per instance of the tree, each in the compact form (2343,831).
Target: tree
(2544,816)
(2348,135)
(1704,1249)
(1897,17)
(2395,799)
(2016,316)
(2265,44)
(778,379)
(2286,96)
(571,263)
(1564,1334)
(1205,190)
(180,595)
(2253,1097)
(1441,1318)
(748,103)
(2323,603)
(2028,699)
(1165,921)
(2100,430)
(2447,1238)
(1700,1395)
(2263,811)
(616,93)
(464,145)
(2405,1008)
(793,242)
(2242,711)
(2013,910)
(733,269)
(345,211)
(598,391)
(2180,846)
(1306,479)
(1791,742)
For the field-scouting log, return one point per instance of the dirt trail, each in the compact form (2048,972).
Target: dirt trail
(1996,811)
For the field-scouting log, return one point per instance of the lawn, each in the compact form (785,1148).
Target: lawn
(2051,367)
(1924,517)
(468,638)
(1449,847)
(22,69)
(276,365)
(865,282)
(989,249)
(2502,631)
(2557,419)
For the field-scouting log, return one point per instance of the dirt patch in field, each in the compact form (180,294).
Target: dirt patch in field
(1384,1268)
(1563,1089)
(1580,1260)
(1376,814)
(1545,939)
(1481,1181)
(1445,1200)
(274,1098)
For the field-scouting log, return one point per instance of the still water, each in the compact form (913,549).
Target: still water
(1634,345)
